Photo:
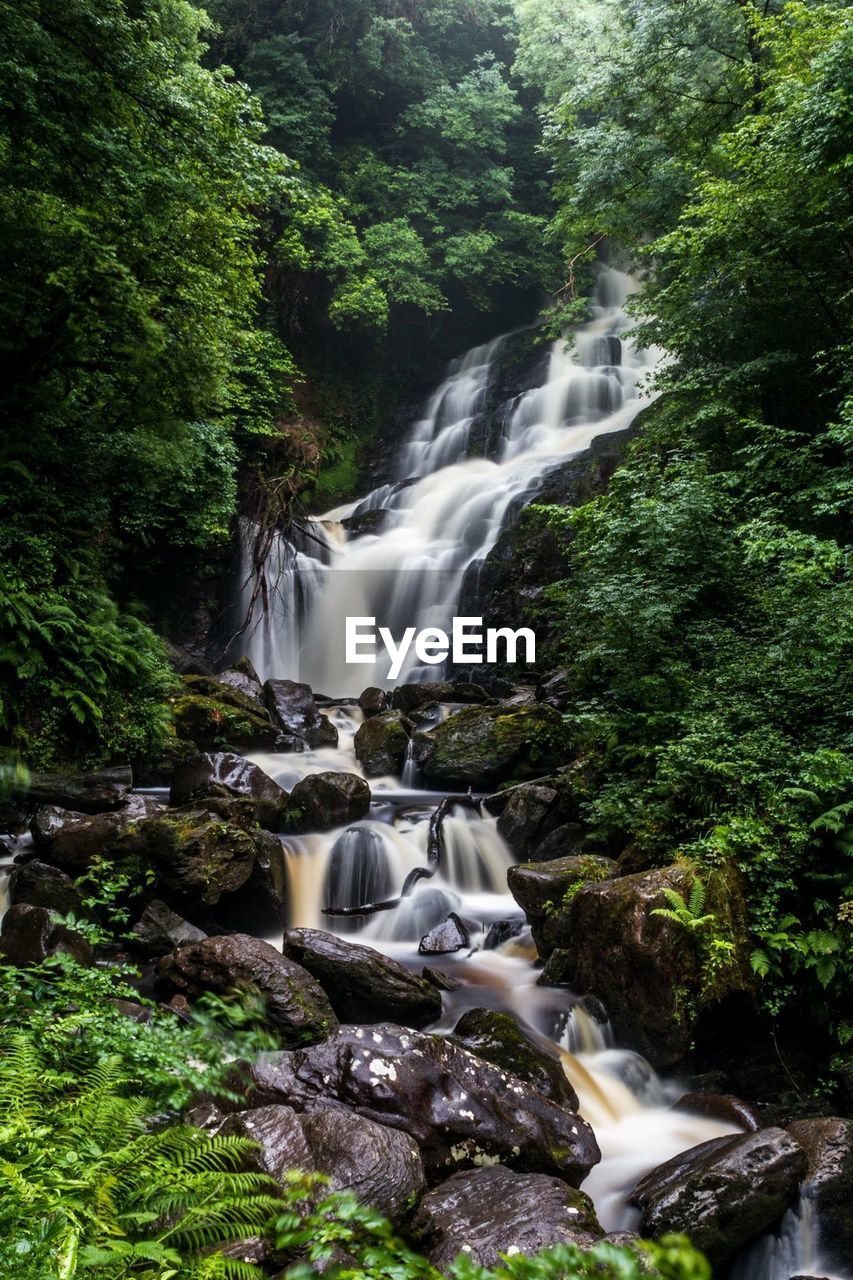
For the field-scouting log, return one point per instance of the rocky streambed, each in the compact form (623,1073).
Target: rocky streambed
(484,1029)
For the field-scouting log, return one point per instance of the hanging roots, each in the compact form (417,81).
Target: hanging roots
(435,848)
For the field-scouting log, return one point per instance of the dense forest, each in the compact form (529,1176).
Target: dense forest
(240,245)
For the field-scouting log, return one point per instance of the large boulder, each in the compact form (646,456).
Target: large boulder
(294,712)
(499,1039)
(544,891)
(645,967)
(213,715)
(159,931)
(297,1006)
(488,1213)
(222,773)
(722,1193)
(244,678)
(29,935)
(459,1108)
(381,743)
(373,701)
(828,1144)
(197,858)
(73,839)
(42,885)
(530,813)
(483,746)
(326,800)
(381,1165)
(83,792)
(362,984)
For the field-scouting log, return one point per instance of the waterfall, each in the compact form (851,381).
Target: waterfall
(447,509)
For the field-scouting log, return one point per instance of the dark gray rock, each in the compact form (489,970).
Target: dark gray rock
(197,858)
(159,931)
(249,686)
(499,1039)
(569,838)
(411,697)
(491,1212)
(29,935)
(294,711)
(381,743)
(41,885)
(828,1144)
(362,984)
(484,746)
(82,792)
(326,800)
(524,820)
(720,1106)
(297,1006)
(373,701)
(379,1164)
(277,1130)
(73,839)
(722,1193)
(444,938)
(221,773)
(458,1107)
(501,932)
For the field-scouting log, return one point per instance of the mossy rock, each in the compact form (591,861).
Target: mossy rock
(226,719)
(381,743)
(196,857)
(484,746)
(498,1038)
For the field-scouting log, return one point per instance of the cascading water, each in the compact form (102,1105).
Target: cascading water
(438,521)
(447,510)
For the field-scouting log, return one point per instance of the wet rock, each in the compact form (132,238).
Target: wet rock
(41,885)
(326,800)
(83,792)
(362,984)
(440,980)
(214,715)
(277,1130)
(249,685)
(499,1039)
(297,1007)
(828,1144)
(379,1164)
(558,969)
(483,746)
(197,857)
(645,967)
(373,701)
(29,935)
(491,1212)
(540,889)
(524,821)
(562,842)
(159,930)
(222,773)
(381,744)
(501,932)
(444,938)
(73,839)
(294,711)
(720,1106)
(722,1193)
(410,697)
(458,1107)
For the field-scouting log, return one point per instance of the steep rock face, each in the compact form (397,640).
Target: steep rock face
(499,1039)
(362,984)
(326,800)
(459,1108)
(222,773)
(828,1144)
(297,1006)
(722,1193)
(483,746)
(381,743)
(492,1212)
(648,969)
(294,711)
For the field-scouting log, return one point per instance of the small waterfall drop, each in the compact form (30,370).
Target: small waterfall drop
(447,510)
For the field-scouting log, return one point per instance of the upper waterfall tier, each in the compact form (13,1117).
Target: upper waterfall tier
(443,515)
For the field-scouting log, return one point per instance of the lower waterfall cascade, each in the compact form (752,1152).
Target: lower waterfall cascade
(437,528)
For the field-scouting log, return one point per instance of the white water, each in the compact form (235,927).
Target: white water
(444,524)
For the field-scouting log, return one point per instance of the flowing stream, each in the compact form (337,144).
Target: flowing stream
(433,525)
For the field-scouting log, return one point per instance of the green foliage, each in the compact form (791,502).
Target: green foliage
(91,1188)
(322,1228)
